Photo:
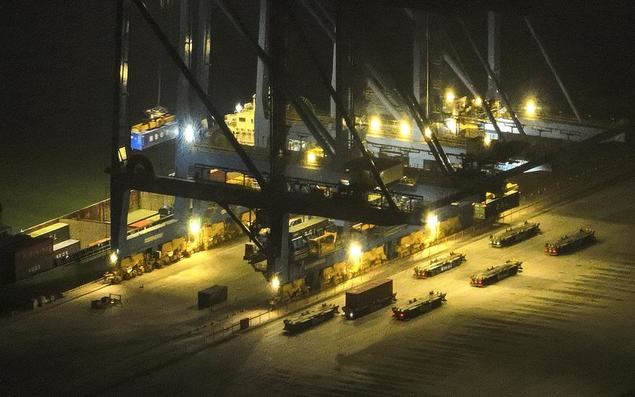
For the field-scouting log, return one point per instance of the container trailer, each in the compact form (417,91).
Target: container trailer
(418,306)
(514,234)
(568,243)
(368,297)
(439,265)
(496,273)
(310,317)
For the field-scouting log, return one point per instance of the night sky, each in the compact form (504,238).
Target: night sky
(57,83)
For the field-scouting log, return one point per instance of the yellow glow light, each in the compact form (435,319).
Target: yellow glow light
(375,124)
(478,101)
(404,128)
(311,158)
(531,107)
(449,96)
(195,226)
(432,221)
(123,156)
(275,283)
(113,258)
(123,73)
(511,186)
(451,124)
(428,132)
(354,252)
(487,140)
(188,44)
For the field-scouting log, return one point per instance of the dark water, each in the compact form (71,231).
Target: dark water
(56,90)
(56,106)
(56,98)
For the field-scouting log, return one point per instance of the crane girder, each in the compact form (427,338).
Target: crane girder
(344,208)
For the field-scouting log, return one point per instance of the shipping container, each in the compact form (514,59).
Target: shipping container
(368,297)
(492,207)
(22,256)
(58,232)
(212,296)
(64,250)
(140,224)
(390,171)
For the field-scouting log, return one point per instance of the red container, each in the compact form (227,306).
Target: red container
(22,256)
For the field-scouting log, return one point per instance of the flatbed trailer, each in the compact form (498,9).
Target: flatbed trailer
(439,265)
(567,243)
(418,306)
(496,273)
(514,234)
(310,317)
